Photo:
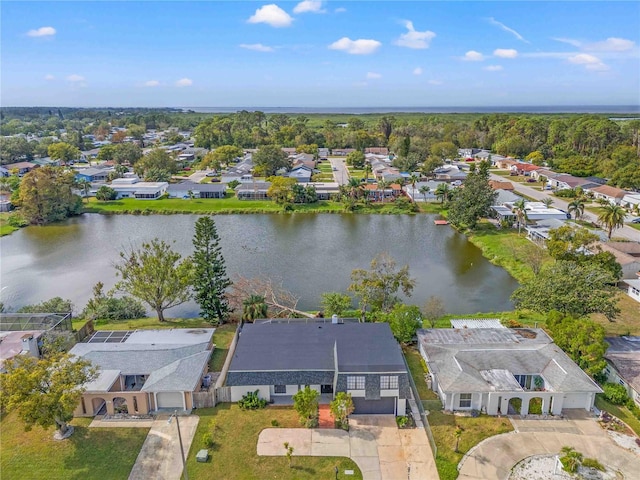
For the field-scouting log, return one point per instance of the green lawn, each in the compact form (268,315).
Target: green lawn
(234,457)
(96,453)
(222,339)
(5,228)
(623,413)
(474,430)
(146,323)
(634,225)
(418,369)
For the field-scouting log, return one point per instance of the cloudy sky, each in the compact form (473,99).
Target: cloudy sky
(319,53)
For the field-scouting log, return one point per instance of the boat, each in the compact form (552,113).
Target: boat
(441,222)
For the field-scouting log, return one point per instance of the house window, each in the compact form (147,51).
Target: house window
(388,382)
(465,400)
(355,383)
(279,389)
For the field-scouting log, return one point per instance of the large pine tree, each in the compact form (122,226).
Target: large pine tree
(210,274)
(473,200)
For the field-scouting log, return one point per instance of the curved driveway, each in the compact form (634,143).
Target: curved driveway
(495,457)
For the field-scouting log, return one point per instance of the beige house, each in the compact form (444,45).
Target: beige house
(144,371)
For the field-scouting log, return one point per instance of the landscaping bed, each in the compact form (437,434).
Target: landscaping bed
(547,466)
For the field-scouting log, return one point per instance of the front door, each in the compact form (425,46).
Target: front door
(326,388)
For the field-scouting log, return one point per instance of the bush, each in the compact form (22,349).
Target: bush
(275,423)
(615,393)
(251,401)
(54,305)
(108,307)
(16,221)
(207,439)
(402,421)
(592,463)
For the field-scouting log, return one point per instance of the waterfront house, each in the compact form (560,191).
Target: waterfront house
(302,173)
(279,357)
(253,191)
(144,371)
(503,371)
(188,189)
(132,187)
(94,175)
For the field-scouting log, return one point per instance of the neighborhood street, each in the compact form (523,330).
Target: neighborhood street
(534,192)
(340,174)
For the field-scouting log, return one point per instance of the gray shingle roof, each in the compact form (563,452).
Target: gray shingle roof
(179,376)
(478,359)
(361,347)
(624,354)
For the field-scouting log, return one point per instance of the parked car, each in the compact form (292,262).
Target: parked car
(636,220)
(531,180)
(212,174)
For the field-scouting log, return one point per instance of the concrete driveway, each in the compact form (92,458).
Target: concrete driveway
(494,457)
(374,443)
(159,457)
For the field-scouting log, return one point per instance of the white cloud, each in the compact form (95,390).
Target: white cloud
(75,78)
(501,25)
(493,68)
(570,41)
(435,82)
(473,56)
(505,53)
(590,62)
(184,82)
(42,32)
(355,47)
(256,47)
(373,75)
(611,44)
(49,77)
(271,15)
(311,6)
(414,39)
(340,10)
(151,83)
(417,71)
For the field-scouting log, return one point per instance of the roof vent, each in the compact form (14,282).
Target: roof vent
(334,319)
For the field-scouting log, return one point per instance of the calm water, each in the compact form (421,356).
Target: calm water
(310,254)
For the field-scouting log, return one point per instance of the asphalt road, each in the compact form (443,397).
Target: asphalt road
(534,192)
(341,173)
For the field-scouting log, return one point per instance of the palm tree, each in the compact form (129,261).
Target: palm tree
(413,179)
(543,180)
(84,185)
(382,185)
(254,307)
(424,190)
(577,207)
(367,171)
(547,202)
(442,192)
(612,217)
(354,187)
(520,212)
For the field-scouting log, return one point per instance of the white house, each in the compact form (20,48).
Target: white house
(503,371)
(631,200)
(611,194)
(132,187)
(623,364)
(633,289)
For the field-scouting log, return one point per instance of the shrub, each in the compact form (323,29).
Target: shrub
(53,305)
(402,421)
(15,220)
(592,463)
(275,423)
(251,401)
(207,439)
(108,307)
(615,393)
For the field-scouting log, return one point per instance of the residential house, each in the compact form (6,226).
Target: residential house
(623,364)
(342,152)
(144,371)
(375,194)
(132,187)
(94,175)
(498,185)
(188,189)
(504,163)
(450,173)
(633,288)
(20,167)
(253,191)
(301,173)
(631,201)
(524,168)
(506,197)
(534,210)
(325,190)
(630,264)
(544,172)
(377,150)
(611,194)
(539,232)
(25,342)
(566,182)
(278,358)
(323,153)
(289,150)
(504,371)
(240,172)
(415,195)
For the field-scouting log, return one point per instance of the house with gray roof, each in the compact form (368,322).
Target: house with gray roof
(623,364)
(504,371)
(363,359)
(144,371)
(187,189)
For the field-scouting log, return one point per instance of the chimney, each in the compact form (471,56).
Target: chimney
(30,345)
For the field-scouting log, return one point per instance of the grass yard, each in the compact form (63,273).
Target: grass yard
(634,225)
(418,369)
(146,323)
(96,453)
(5,228)
(627,323)
(233,457)
(474,430)
(222,339)
(623,413)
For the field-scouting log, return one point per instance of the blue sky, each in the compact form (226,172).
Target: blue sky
(319,54)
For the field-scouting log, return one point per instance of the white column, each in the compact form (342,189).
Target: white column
(184,402)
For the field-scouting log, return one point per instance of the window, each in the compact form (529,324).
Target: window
(388,382)
(465,400)
(279,389)
(355,383)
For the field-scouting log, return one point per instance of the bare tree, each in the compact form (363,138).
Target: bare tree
(280,301)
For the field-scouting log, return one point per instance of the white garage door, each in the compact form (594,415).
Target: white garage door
(170,400)
(574,400)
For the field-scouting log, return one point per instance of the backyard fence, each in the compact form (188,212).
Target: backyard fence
(204,399)
(223,394)
(86,330)
(421,412)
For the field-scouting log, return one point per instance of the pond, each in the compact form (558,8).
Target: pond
(309,254)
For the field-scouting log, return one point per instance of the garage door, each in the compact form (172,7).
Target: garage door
(374,407)
(574,400)
(170,400)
